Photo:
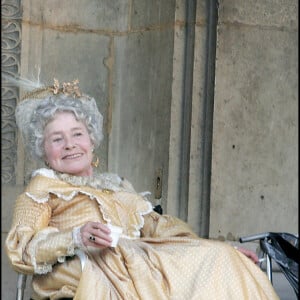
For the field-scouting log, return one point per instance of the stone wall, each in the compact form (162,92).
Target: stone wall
(255,136)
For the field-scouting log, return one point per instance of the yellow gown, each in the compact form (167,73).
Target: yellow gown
(157,257)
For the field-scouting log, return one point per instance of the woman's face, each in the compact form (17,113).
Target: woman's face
(67,144)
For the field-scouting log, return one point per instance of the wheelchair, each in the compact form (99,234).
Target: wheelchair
(283,248)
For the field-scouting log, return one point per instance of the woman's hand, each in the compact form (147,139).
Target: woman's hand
(250,254)
(95,234)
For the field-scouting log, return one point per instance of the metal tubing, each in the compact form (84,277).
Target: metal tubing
(269,268)
(254,237)
(21,284)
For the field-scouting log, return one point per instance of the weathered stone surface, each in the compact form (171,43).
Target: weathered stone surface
(77,15)
(254,175)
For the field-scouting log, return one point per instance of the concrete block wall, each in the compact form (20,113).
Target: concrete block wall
(255,136)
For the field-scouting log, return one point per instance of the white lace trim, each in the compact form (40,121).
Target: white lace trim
(46,267)
(70,252)
(105,216)
(106,180)
(69,198)
(42,235)
(38,200)
(76,234)
(137,232)
(45,172)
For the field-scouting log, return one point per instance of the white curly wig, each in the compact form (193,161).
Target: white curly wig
(39,107)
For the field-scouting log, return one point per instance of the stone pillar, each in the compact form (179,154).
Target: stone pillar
(10,62)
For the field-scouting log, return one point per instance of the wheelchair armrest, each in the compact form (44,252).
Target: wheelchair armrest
(21,284)
(82,256)
(261,237)
(254,237)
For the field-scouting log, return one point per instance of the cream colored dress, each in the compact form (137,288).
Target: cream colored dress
(158,257)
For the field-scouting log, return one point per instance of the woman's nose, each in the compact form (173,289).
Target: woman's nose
(69,144)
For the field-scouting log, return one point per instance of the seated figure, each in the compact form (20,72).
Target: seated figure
(68,205)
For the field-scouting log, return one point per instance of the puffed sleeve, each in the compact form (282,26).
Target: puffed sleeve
(156,225)
(32,245)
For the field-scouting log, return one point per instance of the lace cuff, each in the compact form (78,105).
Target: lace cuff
(76,234)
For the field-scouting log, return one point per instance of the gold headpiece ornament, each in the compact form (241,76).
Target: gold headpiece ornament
(68,88)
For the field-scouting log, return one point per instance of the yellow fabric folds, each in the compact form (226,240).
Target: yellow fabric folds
(158,257)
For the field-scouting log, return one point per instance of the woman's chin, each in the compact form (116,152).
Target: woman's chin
(78,171)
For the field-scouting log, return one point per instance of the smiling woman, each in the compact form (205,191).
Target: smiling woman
(68,147)
(40,107)
(69,206)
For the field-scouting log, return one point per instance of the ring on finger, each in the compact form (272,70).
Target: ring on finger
(92,238)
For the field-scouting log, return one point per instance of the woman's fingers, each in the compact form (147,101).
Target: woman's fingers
(96,234)
(250,254)
(100,226)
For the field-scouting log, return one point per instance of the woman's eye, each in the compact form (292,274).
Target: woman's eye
(78,134)
(57,140)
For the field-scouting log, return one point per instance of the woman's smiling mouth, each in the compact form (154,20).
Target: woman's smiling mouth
(72,156)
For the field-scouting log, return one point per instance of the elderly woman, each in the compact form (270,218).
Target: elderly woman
(68,206)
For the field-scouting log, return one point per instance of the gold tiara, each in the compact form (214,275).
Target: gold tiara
(67,88)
